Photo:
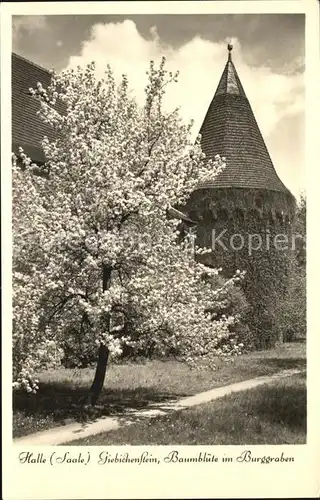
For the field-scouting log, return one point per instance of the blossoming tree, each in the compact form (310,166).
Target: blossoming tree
(93,244)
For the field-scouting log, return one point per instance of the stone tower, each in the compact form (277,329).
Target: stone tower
(246,206)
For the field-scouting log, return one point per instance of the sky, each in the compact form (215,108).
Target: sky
(269,54)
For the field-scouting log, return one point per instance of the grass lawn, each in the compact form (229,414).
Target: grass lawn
(268,414)
(134,385)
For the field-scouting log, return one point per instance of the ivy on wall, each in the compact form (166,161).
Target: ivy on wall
(249,230)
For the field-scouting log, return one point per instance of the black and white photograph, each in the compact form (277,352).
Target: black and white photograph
(158,212)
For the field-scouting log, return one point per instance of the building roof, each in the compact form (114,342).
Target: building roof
(230,130)
(28,129)
(177,214)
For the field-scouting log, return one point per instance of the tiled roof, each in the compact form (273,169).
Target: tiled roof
(229,81)
(28,129)
(175,213)
(230,130)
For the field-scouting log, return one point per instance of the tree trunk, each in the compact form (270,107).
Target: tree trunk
(103,354)
(100,374)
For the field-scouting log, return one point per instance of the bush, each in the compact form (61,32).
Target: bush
(290,312)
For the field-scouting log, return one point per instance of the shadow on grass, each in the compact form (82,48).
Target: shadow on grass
(60,403)
(284,363)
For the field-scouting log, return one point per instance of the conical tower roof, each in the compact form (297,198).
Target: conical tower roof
(230,129)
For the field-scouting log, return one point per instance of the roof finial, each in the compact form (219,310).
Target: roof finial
(230,47)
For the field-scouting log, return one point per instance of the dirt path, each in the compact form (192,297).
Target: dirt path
(68,433)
